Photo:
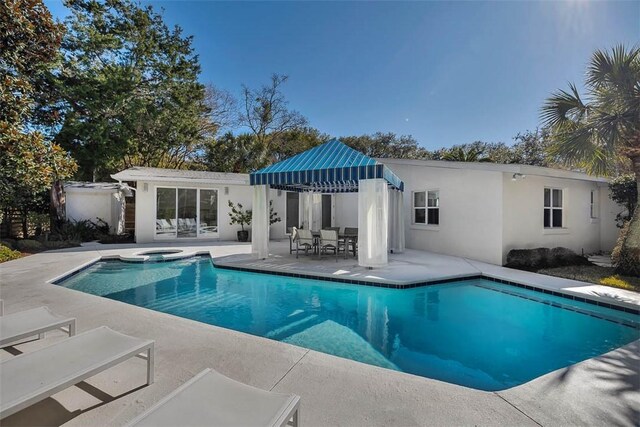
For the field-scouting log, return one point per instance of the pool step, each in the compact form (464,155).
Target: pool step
(194,301)
(291,328)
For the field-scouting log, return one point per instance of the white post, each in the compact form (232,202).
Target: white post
(306,210)
(373,227)
(315,221)
(260,222)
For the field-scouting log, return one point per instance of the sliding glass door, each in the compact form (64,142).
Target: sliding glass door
(166,223)
(186,213)
(208,213)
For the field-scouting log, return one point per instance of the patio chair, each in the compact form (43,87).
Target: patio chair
(32,377)
(211,399)
(329,240)
(293,237)
(305,239)
(36,321)
(352,238)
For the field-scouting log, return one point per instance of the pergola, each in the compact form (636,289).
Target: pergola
(336,168)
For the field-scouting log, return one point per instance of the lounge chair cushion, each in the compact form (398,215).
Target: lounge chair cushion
(28,323)
(211,399)
(28,378)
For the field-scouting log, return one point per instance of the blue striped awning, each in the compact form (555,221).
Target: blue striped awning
(328,168)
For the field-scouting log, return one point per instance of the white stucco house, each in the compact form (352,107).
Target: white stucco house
(483,210)
(475,210)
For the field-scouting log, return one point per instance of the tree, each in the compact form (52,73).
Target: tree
(532,148)
(295,141)
(624,191)
(266,113)
(229,153)
(29,164)
(465,154)
(223,108)
(387,145)
(595,131)
(128,89)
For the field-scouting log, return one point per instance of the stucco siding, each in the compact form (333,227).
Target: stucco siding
(523,205)
(470,211)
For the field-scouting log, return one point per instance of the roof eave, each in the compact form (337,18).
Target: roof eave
(127,177)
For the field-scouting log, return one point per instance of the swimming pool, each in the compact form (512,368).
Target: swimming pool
(475,333)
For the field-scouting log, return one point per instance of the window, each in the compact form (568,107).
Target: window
(426,207)
(186,212)
(433,207)
(552,208)
(187,208)
(593,205)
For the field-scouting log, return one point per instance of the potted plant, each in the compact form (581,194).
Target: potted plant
(241,217)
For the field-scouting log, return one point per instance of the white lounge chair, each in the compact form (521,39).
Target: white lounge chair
(31,377)
(36,321)
(211,399)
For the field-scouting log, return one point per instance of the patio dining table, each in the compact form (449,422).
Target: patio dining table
(345,237)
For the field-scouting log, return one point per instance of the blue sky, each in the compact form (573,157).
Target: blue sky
(445,72)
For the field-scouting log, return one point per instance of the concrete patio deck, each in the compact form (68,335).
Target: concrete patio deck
(334,391)
(413,266)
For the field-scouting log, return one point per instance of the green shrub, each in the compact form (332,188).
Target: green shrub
(9,243)
(27,245)
(7,254)
(617,282)
(539,258)
(80,231)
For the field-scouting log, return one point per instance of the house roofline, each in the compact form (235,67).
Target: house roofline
(498,167)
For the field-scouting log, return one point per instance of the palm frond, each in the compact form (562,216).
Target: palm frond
(616,71)
(581,146)
(562,107)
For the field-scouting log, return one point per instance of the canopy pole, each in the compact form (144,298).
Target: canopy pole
(373,227)
(260,222)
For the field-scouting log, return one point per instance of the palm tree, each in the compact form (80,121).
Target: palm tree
(596,131)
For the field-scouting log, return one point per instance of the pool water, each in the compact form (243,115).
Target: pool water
(475,333)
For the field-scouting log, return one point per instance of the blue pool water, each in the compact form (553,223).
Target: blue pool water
(474,333)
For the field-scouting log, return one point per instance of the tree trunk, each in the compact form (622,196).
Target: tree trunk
(628,261)
(6,223)
(25,223)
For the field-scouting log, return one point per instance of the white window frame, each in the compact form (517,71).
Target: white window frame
(551,208)
(425,208)
(175,235)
